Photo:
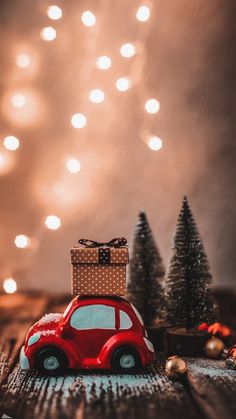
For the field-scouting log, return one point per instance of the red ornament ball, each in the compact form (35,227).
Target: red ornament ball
(230,361)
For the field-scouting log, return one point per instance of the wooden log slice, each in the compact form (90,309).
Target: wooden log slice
(179,341)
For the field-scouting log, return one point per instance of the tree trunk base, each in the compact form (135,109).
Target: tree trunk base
(178,341)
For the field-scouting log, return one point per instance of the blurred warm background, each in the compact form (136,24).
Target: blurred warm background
(108,107)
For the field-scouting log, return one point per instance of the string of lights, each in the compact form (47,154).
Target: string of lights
(22,105)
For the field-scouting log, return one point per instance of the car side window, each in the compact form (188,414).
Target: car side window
(103,317)
(125,320)
(95,316)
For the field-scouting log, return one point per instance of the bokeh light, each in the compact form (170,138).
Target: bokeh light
(143,13)
(73,165)
(22,241)
(123,84)
(3,162)
(152,105)
(11,143)
(6,162)
(9,285)
(48,33)
(96,96)
(88,18)
(154,143)
(63,144)
(23,60)
(78,120)
(53,222)
(54,12)
(127,50)
(103,62)
(24,107)
(18,100)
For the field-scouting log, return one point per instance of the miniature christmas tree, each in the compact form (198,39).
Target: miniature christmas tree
(189,301)
(146,273)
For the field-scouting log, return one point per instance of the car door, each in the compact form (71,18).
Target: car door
(92,325)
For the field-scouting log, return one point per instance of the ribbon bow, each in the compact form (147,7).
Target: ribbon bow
(117,242)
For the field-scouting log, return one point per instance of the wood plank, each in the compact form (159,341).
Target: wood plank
(17,313)
(149,395)
(213,386)
(99,395)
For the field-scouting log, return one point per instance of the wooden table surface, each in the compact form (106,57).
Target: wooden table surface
(208,391)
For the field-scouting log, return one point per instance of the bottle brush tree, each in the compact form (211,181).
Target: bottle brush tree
(189,300)
(146,273)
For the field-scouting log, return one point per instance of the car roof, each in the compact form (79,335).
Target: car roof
(115,301)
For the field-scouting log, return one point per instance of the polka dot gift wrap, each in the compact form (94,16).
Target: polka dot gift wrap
(99,270)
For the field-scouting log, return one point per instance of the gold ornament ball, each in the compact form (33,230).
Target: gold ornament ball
(214,348)
(175,366)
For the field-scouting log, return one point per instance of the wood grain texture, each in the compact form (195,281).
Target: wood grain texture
(207,392)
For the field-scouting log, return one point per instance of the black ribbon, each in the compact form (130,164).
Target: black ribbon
(117,242)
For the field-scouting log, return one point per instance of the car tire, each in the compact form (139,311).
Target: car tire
(125,359)
(51,361)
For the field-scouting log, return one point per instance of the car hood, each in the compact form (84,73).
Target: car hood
(48,323)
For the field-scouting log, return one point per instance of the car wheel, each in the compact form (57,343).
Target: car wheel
(125,359)
(51,361)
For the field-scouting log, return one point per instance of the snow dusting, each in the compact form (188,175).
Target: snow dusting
(135,383)
(210,367)
(48,318)
(48,332)
(94,384)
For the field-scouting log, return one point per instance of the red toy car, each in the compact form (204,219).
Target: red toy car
(93,332)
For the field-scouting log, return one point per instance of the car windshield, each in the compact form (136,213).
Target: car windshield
(95,316)
(67,309)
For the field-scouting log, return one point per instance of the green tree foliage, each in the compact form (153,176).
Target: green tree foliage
(146,273)
(189,301)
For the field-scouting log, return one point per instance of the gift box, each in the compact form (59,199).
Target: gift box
(99,268)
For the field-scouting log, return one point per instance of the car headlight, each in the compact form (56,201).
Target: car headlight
(24,363)
(34,338)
